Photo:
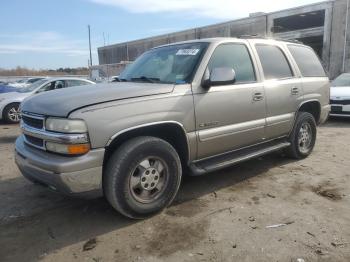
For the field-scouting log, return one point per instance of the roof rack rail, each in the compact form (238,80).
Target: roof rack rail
(269,38)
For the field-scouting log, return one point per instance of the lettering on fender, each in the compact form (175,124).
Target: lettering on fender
(209,124)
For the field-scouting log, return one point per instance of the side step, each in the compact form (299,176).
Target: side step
(228,159)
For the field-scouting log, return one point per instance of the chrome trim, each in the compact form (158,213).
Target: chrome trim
(340,115)
(273,120)
(55,137)
(33,145)
(236,150)
(152,124)
(211,133)
(33,116)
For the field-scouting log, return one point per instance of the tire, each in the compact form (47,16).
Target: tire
(11,113)
(142,177)
(303,136)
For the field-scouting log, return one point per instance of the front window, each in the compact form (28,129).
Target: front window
(174,64)
(342,80)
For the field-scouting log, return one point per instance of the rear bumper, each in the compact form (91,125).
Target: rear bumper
(80,176)
(324,113)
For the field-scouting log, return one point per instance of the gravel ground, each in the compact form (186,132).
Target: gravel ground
(224,216)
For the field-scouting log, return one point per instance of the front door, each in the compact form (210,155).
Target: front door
(230,117)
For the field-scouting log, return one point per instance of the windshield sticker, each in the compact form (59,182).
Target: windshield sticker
(187,52)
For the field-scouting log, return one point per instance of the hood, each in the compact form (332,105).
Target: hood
(342,92)
(63,101)
(7,89)
(14,96)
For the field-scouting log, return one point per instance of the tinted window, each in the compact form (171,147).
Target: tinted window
(342,80)
(274,62)
(174,64)
(59,84)
(48,87)
(307,61)
(235,56)
(76,83)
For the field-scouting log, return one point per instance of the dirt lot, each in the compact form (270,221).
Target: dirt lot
(219,217)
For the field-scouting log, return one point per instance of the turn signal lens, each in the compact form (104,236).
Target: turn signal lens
(70,149)
(78,149)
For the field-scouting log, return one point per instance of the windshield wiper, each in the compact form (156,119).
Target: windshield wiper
(146,79)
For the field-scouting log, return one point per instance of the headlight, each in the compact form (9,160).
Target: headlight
(64,125)
(70,149)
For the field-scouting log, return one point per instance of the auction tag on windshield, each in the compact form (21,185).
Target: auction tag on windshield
(187,52)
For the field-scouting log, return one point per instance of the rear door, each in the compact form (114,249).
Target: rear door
(283,88)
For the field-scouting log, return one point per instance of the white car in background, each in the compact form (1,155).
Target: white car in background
(25,82)
(340,96)
(10,100)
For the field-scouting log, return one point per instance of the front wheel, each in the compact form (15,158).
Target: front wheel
(11,113)
(142,177)
(303,136)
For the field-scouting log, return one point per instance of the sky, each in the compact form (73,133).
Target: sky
(49,34)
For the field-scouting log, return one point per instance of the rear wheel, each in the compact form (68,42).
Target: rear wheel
(11,113)
(303,136)
(142,177)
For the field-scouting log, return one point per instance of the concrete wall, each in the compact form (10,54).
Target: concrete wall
(338,40)
(332,32)
(131,50)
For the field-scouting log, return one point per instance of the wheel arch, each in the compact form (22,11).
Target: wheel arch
(171,131)
(311,106)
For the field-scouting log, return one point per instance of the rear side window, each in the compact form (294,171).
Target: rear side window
(274,62)
(76,83)
(307,61)
(235,56)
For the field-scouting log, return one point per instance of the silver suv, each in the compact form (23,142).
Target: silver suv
(198,106)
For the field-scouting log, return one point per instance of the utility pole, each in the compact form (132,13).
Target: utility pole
(90,46)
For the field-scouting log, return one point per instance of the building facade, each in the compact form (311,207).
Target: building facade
(323,26)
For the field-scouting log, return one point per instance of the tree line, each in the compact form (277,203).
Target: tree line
(23,71)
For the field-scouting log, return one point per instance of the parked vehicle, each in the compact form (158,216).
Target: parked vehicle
(25,82)
(11,98)
(340,96)
(198,106)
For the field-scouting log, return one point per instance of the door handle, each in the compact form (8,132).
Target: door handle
(295,91)
(258,96)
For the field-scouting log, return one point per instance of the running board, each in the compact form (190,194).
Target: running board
(222,161)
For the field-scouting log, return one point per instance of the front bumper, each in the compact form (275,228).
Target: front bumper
(340,109)
(81,175)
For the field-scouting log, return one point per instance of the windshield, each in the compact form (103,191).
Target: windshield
(342,80)
(32,87)
(173,64)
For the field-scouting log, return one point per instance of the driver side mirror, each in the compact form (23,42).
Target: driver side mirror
(219,76)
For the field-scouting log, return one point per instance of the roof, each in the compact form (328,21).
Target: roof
(228,39)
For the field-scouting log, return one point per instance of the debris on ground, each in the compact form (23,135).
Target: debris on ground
(280,225)
(270,195)
(309,233)
(340,244)
(251,219)
(90,244)
(330,193)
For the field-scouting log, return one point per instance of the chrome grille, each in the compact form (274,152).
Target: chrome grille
(34,141)
(33,121)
